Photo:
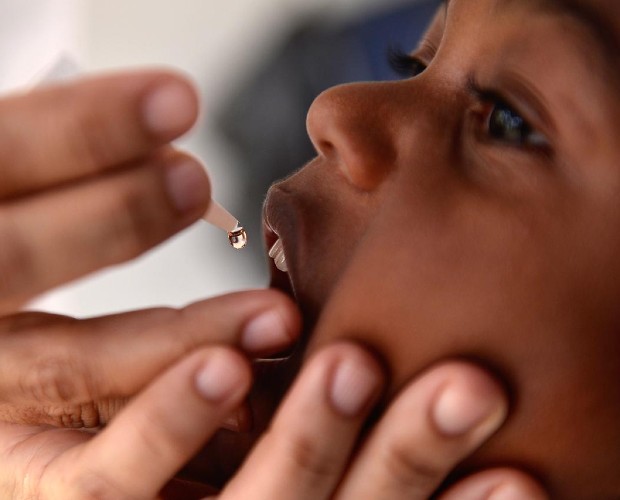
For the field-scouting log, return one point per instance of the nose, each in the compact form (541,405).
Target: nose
(350,125)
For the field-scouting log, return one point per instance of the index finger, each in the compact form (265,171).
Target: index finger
(63,133)
(55,372)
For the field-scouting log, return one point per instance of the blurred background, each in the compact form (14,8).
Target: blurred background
(257,64)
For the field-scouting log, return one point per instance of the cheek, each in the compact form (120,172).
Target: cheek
(510,295)
(321,241)
(445,287)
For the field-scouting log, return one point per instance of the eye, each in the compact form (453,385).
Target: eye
(504,124)
(403,64)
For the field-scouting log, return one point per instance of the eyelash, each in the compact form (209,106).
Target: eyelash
(498,112)
(408,66)
(403,64)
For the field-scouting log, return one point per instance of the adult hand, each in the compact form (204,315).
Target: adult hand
(140,451)
(88,178)
(309,451)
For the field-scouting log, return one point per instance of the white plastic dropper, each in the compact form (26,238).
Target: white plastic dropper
(218,216)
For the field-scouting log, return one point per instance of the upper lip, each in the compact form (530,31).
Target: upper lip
(279,223)
(278,211)
(269,235)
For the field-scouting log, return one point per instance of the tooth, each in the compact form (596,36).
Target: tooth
(277,254)
(275,249)
(281,263)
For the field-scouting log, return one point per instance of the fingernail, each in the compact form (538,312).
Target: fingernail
(353,387)
(461,409)
(232,423)
(170,109)
(267,331)
(240,420)
(219,378)
(509,492)
(187,185)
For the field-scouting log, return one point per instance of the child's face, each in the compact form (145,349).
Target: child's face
(474,210)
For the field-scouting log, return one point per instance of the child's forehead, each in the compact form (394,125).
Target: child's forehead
(598,22)
(600,17)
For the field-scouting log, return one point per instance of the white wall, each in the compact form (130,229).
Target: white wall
(32,34)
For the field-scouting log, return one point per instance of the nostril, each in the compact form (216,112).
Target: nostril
(326,149)
(348,128)
(319,120)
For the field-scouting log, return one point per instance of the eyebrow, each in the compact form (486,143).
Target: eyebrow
(587,16)
(593,20)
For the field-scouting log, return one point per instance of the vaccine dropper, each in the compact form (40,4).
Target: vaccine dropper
(218,216)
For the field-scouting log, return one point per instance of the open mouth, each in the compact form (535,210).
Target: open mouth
(280,277)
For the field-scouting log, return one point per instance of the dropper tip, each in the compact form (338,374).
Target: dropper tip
(238,237)
(222,218)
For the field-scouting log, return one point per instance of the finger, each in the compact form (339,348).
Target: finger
(437,421)
(29,320)
(66,132)
(178,489)
(63,234)
(73,373)
(304,453)
(157,432)
(497,484)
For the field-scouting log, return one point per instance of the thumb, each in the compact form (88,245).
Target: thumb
(158,432)
(496,484)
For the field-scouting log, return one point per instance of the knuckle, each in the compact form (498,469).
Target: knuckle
(186,338)
(16,260)
(92,141)
(163,445)
(132,226)
(14,145)
(84,416)
(107,409)
(87,144)
(307,455)
(91,485)
(410,469)
(56,379)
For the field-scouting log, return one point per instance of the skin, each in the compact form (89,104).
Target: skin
(113,407)
(112,158)
(424,233)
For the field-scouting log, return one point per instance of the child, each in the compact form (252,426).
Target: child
(473,211)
